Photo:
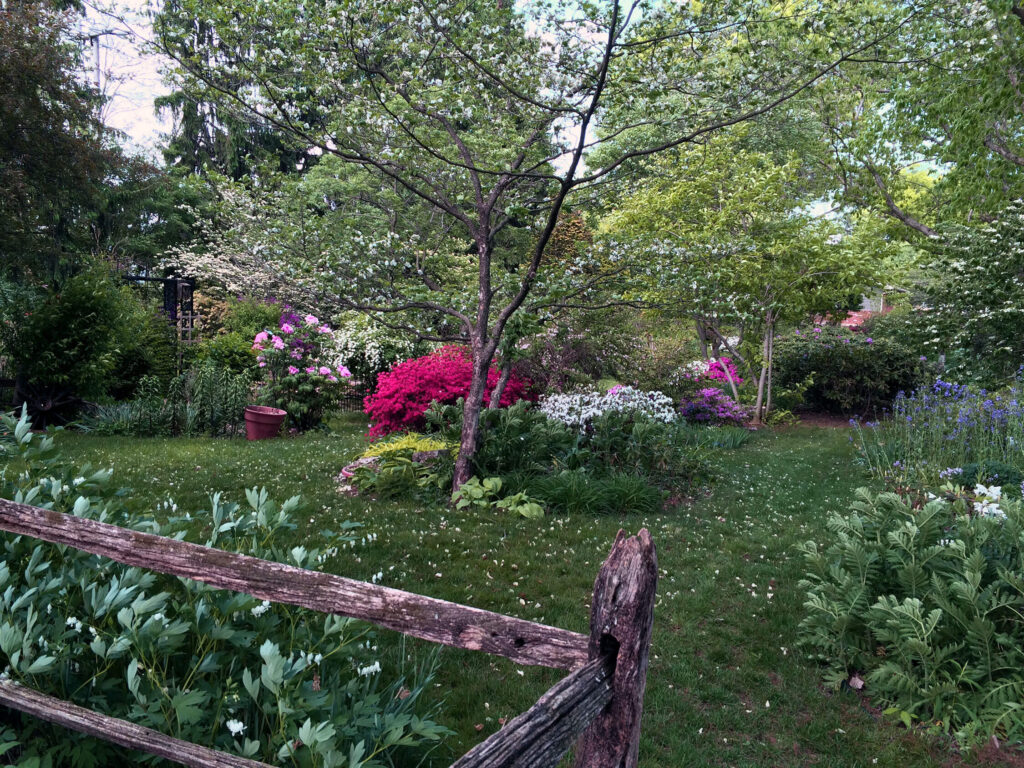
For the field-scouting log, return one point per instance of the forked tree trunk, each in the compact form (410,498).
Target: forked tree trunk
(762,382)
(499,388)
(471,415)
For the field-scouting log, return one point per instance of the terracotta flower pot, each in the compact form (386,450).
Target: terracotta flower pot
(262,422)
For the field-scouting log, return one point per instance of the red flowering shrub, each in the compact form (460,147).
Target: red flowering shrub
(406,391)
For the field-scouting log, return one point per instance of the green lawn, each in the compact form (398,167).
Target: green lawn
(726,687)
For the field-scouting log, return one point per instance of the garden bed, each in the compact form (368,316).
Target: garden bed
(727,685)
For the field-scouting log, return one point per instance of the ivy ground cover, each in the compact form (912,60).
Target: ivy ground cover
(727,685)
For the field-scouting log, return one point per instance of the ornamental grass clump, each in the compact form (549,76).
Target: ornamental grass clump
(273,683)
(923,607)
(946,429)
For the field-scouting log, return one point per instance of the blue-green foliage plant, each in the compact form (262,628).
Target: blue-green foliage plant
(925,604)
(221,669)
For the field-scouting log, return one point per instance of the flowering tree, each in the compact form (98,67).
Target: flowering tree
(731,245)
(484,113)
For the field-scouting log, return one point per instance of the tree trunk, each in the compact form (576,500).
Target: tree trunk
(732,384)
(771,364)
(499,388)
(471,414)
(702,337)
(762,381)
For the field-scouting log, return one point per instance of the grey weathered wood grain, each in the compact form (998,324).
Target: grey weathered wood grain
(621,619)
(440,621)
(117,731)
(541,736)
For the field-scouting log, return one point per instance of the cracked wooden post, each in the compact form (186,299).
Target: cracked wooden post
(621,619)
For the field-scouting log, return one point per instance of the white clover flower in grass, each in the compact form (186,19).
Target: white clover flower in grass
(236,727)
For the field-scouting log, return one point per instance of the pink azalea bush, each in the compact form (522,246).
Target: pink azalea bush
(712,406)
(405,392)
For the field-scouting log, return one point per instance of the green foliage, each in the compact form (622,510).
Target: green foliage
(229,350)
(72,339)
(205,400)
(247,317)
(306,399)
(977,300)
(575,492)
(844,372)
(477,493)
(521,438)
(485,494)
(149,351)
(217,668)
(52,158)
(925,605)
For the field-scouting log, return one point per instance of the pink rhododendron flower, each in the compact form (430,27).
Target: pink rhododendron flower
(261,337)
(343,371)
(263,363)
(325,329)
(278,342)
(311,320)
(332,379)
(324,371)
(292,370)
(287,328)
(311,369)
(296,354)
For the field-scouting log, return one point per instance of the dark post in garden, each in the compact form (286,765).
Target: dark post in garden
(621,619)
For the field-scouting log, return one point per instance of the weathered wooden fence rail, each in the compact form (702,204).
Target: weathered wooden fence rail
(599,704)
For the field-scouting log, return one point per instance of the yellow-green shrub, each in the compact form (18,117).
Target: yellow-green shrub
(413,442)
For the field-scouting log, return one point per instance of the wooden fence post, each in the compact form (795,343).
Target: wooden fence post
(621,619)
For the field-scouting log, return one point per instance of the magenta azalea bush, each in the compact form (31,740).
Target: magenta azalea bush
(712,406)
(405,392)
(300,376)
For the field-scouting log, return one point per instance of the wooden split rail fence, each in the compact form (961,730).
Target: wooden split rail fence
(597,706)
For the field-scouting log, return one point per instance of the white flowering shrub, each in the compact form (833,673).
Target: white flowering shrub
(274,683)
(367,348)
(922,602)
(580,409)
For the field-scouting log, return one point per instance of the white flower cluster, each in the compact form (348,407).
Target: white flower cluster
(987,502)
(371,669)
(378,346)
(578,410)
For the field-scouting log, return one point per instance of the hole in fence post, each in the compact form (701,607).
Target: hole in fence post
(621,620)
